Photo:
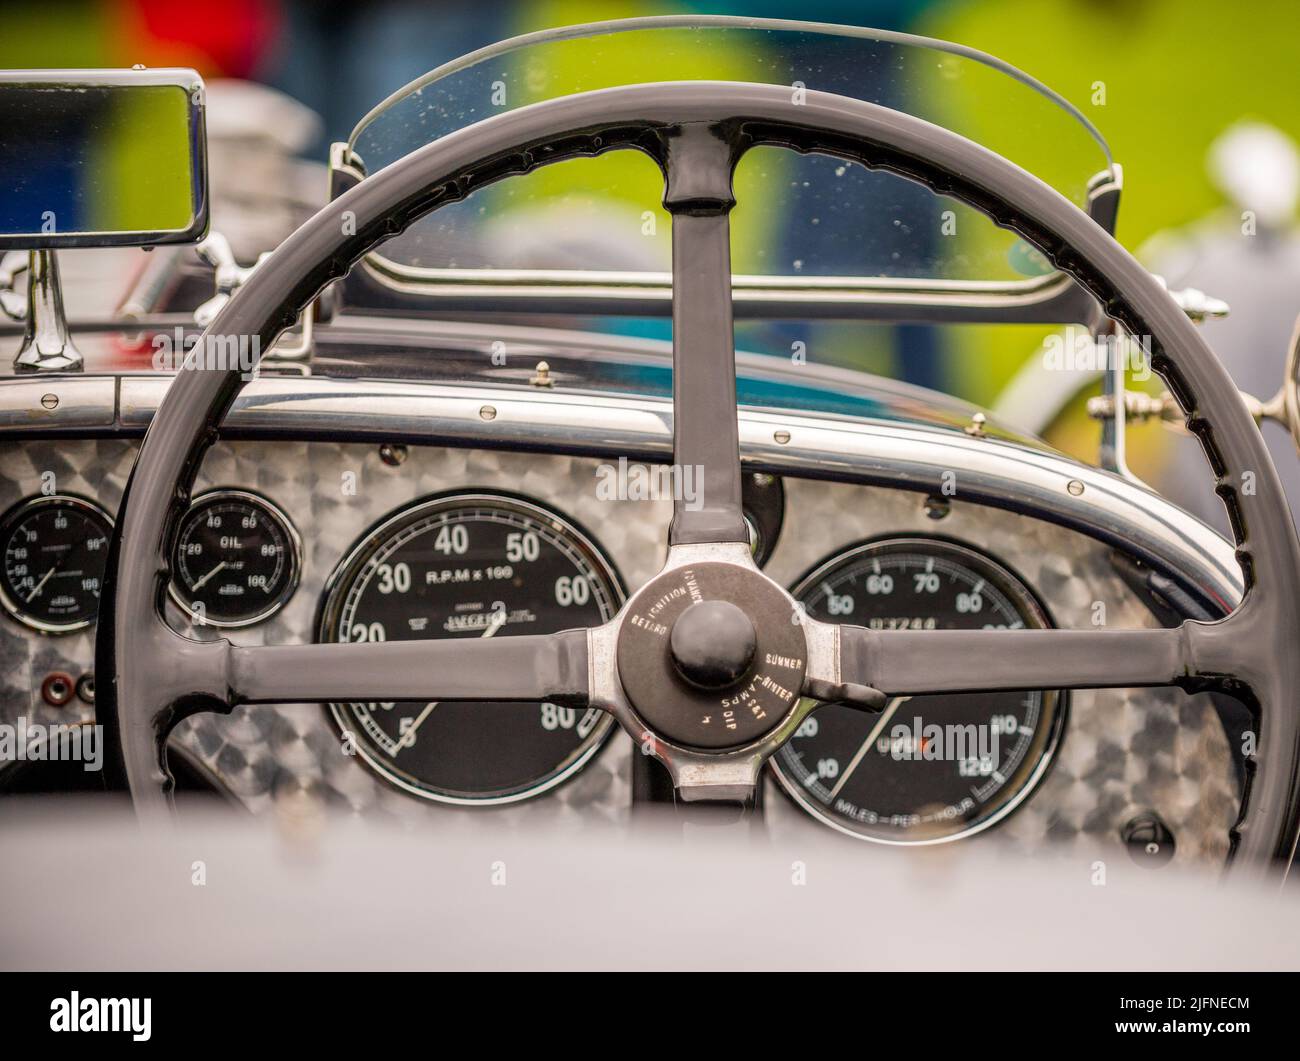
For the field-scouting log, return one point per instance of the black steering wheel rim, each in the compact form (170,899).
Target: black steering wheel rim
(150,676)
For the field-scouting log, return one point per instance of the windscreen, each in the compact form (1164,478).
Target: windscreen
(796,215)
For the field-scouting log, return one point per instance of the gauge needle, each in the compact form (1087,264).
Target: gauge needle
(204,580)
(41,584)
(408,735)
(876,730)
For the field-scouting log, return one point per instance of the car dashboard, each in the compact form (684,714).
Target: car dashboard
(360,509)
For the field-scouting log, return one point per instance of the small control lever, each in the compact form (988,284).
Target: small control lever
(229,275)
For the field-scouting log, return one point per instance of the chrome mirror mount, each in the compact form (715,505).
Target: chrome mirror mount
(47,344)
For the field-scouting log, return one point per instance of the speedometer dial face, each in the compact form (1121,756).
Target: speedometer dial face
(236,560)
(931,768)
(55,550)
(464,566)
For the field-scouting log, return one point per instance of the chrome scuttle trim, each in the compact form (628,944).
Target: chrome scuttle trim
(1005,474)
(987,469)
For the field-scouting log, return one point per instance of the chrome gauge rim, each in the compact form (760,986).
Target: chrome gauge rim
(346,584)
(293,550)
(1041,748)
(10,523)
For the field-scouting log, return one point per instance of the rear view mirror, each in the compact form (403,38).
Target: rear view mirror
(101,158)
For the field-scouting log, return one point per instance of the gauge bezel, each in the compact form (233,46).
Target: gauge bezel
(293,541)
(338,588)
(9,522)
(1056,702)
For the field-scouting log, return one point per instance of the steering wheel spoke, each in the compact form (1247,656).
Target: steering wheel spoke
(533,667)
(893,663)
(706,441)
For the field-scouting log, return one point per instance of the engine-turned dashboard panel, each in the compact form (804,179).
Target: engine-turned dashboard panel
(291,542)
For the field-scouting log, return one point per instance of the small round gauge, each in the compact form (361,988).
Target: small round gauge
(55,549)
(462,566)
(929,768)
(236,559)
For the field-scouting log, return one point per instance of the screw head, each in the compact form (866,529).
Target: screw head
(50,401)
(488,412)
(1075,487)
(782,437)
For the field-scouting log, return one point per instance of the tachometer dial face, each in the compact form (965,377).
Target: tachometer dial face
(236,559)
(55,550)
(465,566)
(931,768)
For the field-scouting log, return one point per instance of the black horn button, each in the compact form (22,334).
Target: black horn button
(711,655)
(713,643)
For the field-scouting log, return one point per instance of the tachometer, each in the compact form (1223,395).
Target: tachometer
(931,768)
(55,550)
(471,565)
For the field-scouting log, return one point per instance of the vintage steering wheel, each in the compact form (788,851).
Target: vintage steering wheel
(706,664)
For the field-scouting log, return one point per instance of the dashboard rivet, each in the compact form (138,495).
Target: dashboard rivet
(488,412)
(50,401)
(542,375)
(782,437)
(1075,487)
(391,454)
(976,426)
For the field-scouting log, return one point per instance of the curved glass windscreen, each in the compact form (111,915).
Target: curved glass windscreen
(796,215)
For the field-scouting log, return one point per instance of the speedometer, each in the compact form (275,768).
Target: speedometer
(463,566)
(929,768)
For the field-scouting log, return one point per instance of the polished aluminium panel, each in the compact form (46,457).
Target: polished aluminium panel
(1124,751)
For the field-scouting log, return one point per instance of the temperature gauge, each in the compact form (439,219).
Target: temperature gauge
(55,550)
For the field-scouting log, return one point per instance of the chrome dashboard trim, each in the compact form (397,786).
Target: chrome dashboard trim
(908,456)
(57,403)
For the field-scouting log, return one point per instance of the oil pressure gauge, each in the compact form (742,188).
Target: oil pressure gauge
(236,560)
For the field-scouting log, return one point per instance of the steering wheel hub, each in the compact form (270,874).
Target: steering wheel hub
(712,644)
(712,655)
